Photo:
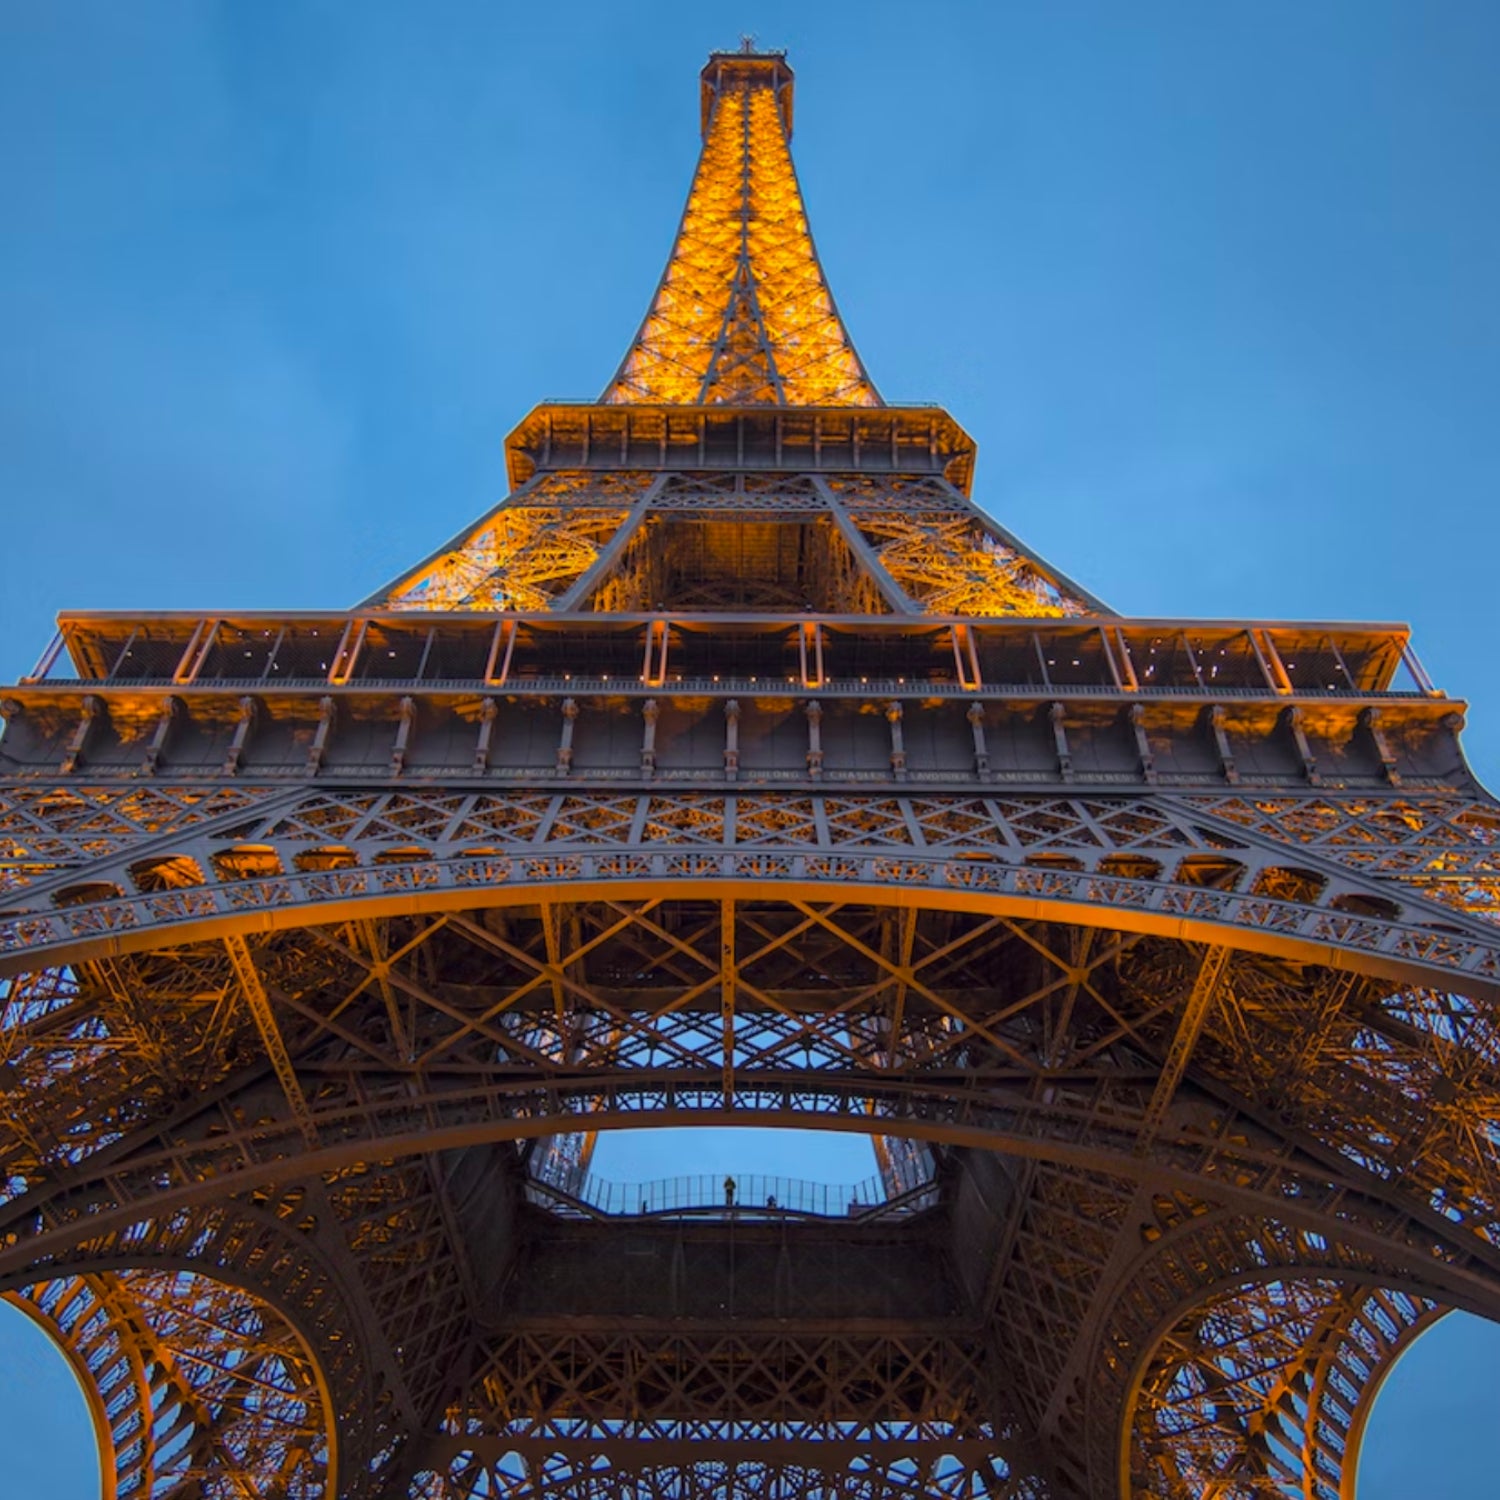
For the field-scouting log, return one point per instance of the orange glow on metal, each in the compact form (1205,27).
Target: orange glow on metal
(527,551)
(952,567)
(743,315)
(516,562)
(1157,958)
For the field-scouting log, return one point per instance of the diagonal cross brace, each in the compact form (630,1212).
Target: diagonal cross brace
(259,1002)
(1205,990)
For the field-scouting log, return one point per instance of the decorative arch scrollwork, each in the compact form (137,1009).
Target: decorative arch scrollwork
(1260,1392)
(220,1355)
(1241,1359)
(196,1386)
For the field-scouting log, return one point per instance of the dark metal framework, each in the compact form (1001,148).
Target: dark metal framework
(739,770)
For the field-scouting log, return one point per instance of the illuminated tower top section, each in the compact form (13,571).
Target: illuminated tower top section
(743,315)
(741,460)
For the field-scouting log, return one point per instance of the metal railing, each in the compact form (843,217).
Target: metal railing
(711,1194)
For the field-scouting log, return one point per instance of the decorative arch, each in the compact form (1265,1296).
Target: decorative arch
(1262,1392)
(1164,865)
(194,1385)
(1242,1356)
(1098,1050)
(956,1038)
(1372,936)
(218,1347)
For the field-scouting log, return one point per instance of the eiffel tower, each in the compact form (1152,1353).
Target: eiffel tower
(737,769)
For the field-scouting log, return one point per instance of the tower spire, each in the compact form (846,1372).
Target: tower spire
(743,315)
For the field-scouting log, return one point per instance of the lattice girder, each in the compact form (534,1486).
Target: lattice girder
(819,1470)
(1128,863)
(1260,1049)
(737,770)
(572,539)
(791,1059)
(1421,1037)
(526,552)
(222,1352)
(196,1387)
(1262,1391)
(743,314)
(947,556)
(1248,1355)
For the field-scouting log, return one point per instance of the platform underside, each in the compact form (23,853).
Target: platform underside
(1152,1152)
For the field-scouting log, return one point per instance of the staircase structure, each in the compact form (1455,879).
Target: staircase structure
(737,769)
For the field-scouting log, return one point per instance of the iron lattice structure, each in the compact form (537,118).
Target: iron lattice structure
(738,769)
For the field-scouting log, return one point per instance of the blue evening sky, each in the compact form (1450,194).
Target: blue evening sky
(1213,286)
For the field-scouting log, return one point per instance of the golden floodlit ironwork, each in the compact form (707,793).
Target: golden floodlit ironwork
(743,314)
(737,769)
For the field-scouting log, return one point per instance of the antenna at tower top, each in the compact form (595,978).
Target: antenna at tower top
(747,41)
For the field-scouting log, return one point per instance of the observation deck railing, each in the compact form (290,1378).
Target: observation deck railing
(578,1193)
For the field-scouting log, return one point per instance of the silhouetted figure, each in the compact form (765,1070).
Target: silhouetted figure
(770,1200)
(729,1192)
